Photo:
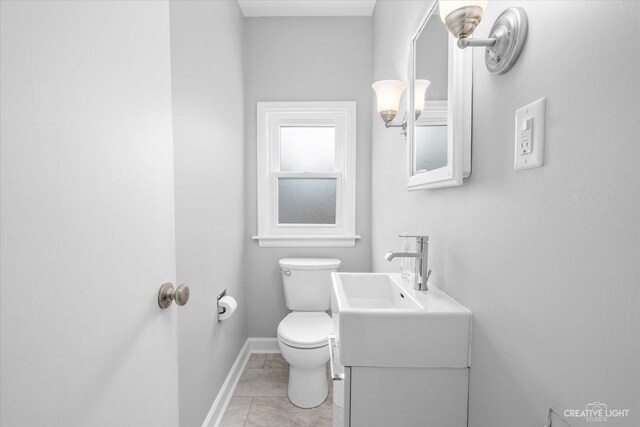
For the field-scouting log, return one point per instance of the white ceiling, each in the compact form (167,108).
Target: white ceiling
(257,8)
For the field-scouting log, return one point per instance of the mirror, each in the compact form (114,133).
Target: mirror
(439,149)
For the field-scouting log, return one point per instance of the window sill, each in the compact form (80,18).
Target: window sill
(305,241)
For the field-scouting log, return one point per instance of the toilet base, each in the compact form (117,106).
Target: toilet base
(308,388)
(308,384)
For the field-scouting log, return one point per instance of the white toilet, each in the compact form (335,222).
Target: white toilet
(303,334)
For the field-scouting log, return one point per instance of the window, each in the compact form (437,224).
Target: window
(306,173)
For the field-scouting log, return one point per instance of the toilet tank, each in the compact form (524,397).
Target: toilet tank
(307,282)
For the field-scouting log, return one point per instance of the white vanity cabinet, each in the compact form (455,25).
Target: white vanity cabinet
(405,397)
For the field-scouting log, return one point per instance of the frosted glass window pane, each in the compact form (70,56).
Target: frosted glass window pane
(431,148)
(307,149)
(307,200)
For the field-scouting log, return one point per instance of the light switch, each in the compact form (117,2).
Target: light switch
(529,140)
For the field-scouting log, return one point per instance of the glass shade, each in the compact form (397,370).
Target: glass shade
(448,6)
(421,92)
(388,94)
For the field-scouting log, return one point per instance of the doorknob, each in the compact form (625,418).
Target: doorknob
(166,295)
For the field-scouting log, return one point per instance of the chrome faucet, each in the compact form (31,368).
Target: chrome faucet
(421,273)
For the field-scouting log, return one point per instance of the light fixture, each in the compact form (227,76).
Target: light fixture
(506,38)
(388,94)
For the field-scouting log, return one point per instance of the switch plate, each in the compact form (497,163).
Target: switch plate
(529,141)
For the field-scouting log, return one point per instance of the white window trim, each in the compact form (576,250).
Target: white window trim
(270,117)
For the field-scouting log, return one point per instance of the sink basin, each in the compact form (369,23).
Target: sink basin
(373,291)
(381,321)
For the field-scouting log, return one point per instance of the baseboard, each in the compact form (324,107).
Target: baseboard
(214,417)
(219,406)
(263,345)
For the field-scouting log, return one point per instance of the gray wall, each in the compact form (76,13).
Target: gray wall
(304,59)
(547,259)
(206,58)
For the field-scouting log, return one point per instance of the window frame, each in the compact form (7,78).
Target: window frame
(271,116)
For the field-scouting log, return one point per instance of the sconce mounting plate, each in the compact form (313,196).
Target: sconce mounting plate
(510,33)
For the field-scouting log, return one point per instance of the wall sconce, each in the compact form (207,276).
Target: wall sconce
(506,38)
(388,94)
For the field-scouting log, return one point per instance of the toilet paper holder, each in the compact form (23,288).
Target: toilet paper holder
(221,310)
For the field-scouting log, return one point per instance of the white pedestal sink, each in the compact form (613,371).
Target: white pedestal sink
(406,353)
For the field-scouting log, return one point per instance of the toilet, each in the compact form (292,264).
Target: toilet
(303,334)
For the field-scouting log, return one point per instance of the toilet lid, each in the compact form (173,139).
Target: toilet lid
(305,329)
(310,263)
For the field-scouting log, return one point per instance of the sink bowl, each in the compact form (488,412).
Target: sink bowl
(381,321)
(372,291)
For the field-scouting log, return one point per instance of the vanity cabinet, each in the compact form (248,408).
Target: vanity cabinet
(425,397)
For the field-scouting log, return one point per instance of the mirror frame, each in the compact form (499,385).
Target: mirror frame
(459,109)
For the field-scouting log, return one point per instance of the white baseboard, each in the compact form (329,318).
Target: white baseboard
(214,417)
(263,345)
(219,406)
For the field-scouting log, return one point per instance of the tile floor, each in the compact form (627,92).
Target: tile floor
(260,399)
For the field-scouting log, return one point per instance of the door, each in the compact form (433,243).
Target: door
(87,216)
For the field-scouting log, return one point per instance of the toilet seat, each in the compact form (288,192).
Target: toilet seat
(305,329)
